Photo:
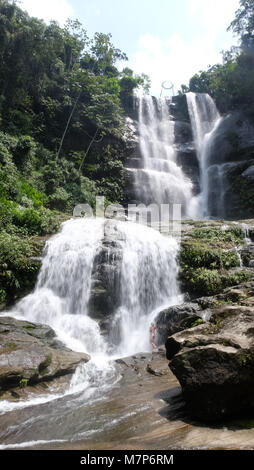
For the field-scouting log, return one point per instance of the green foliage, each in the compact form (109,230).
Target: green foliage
(24,151)
(61,132)
(37,198)
(208,260)
(206,282)
(243,24)
(59,199)
(197,323)
(17,274)
(199,256)
(129,82)
(36,221)
(6,213)
(61,99)
(217,236)
(23,383)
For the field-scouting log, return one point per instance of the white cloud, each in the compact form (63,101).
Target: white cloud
(177,59)
(214,15)
(47,10)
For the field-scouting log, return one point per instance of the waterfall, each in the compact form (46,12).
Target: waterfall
(148,282)
(62,293)
(205,120)
(147,276)
(160,180)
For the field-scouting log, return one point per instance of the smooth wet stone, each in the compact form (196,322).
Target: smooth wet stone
(177,318)
(214,363)
(30,354)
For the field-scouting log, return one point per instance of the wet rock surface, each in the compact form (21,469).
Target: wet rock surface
(214,362)
(31,354)
(146,410)
(177,318)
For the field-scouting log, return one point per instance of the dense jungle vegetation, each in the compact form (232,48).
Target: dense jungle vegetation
(62,133)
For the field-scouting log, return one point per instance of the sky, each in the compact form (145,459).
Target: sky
(166,39)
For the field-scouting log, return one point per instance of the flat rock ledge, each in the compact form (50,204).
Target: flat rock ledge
(31,356)
(214,362)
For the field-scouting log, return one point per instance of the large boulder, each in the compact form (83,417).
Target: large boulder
(30,354)
(214,363)
(177,318)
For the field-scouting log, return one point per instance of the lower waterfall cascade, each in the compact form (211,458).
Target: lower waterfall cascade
(148,282)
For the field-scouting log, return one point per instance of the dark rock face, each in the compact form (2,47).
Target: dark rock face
(187,159)
(183,132)
(234,137)
(214,363)
(177,318)
(230,172)
(231,162)
(30,354)
(239,194)
(105,291)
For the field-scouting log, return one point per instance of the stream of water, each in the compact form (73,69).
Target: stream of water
(160,180)
(147,273)
(205,120)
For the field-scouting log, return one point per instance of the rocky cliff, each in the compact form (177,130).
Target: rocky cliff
(210,341)
(231,160)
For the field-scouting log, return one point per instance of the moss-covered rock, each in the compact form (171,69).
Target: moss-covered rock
(202,281)
(209,257)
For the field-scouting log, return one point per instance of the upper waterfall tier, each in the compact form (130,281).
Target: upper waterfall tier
(158,176)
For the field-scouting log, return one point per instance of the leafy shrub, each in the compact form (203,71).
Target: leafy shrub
(214,234)
(197,256)
(24,151)
(41,221)
(6,213)
(59,199)
(38,198)
(16,273)
(8,178)
(84,193)
(204,282)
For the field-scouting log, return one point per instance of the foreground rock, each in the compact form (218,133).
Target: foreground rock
(214,362)
(30,354)
(178,318)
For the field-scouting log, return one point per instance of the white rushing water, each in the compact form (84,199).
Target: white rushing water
(205,120)
(161,180)
(147,274)
(63,289)
(148,281)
